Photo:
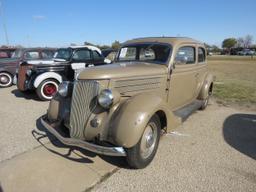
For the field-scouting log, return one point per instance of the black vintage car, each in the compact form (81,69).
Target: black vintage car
(44,77)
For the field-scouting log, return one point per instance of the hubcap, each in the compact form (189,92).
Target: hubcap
(148,140)
(4,79)
(49,89)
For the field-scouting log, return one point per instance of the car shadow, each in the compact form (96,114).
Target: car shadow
(239,131)
(1,189)
(29,95)
(74,153)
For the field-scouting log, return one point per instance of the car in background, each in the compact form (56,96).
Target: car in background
(6,52)
(45,76)
(9,66)
(246,52)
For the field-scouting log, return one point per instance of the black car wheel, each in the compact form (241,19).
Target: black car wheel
(47,89)
(5,79)
(144,151)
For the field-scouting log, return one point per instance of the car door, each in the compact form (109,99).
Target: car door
(183,80)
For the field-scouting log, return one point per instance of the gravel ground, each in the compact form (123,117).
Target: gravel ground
(214,150)
(18,117)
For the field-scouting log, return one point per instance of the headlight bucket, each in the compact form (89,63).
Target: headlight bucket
(65,88)
(108,98)
(105,98)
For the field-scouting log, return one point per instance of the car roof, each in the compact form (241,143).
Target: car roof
(36,49)
(169,40)
(91,47)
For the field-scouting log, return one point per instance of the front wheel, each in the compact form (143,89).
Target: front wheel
(5,79)
(47,89)
(141,155)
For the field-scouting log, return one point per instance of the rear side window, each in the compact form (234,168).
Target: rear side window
(201,55)
(185,55)
(31,55)
(47,54)
(82,55)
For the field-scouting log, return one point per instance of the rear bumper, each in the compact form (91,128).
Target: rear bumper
(111,151)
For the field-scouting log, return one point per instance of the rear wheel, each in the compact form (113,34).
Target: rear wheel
(5,79)
(47,89)
(144,151)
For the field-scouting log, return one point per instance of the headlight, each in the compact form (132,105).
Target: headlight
(106,98)
(64,88)
(29,71)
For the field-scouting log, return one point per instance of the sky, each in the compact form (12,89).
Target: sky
(57,23)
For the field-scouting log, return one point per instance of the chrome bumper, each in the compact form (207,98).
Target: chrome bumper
(111,151)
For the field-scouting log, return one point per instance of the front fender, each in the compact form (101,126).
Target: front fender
(47,75)
(204,92)
(130,120)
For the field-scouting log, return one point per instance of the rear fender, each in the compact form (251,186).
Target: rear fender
(204,92)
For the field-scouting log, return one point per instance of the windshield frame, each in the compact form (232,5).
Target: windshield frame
(145,43)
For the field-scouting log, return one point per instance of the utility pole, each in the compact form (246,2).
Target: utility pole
(3,21)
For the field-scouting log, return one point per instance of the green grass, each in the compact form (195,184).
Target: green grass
(235,79)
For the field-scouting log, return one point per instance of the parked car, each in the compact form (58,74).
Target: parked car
(6,52)
(121,109)
(9,66)
(45,76)
(246,52)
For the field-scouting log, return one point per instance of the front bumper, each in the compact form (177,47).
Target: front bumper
(111,151)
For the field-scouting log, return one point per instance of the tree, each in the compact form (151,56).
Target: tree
(248,41)
(240,42)
(116,45)
(229,43)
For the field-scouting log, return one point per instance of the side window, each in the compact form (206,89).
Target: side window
(82,55)
(201,55)
(47,54)
(185,55)
(96,55)
(31,55)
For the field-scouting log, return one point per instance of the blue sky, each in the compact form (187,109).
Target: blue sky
(61,22)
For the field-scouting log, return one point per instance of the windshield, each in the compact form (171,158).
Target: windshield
(63,54)
(155,53)
(17,54)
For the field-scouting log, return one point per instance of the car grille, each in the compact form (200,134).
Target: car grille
(84,100)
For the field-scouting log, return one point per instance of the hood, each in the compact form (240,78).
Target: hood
(8,60)
(122,70)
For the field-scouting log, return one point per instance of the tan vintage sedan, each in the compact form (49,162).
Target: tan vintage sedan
(123,108)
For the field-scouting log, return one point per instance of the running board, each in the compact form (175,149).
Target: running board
(187,110)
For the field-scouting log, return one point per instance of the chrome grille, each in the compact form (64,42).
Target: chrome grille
(83,102)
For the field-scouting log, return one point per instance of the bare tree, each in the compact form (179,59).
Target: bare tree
(240,42)
(248,41)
